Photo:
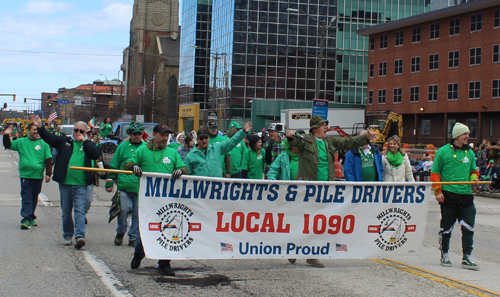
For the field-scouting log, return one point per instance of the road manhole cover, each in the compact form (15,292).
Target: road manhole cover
(196,280)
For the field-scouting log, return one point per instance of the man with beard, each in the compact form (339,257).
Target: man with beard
(155,157)
(34,158)
(455,162)
(128,185)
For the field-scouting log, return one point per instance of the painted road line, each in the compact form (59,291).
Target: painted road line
(44,200)
(17,164)
(107,277)
(450,282)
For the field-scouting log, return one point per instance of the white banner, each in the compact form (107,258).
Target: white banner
(213,218)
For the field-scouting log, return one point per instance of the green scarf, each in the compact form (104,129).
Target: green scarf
(294,157)
(294,163)
(395,160)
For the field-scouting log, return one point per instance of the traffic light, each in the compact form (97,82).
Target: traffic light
(5,105)
(49,102)
(14,97)
(24,100)
(111,104)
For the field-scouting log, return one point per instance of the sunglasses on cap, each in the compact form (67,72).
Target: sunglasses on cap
(212,128)
(78,130)
(203,137)
(137,133)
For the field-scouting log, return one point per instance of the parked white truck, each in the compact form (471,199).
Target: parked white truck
(345,118)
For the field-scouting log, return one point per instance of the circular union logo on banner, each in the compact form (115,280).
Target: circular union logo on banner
(393,228)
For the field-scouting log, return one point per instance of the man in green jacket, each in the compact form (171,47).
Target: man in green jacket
(204,159)
(317,154)
(155,157)
(128,185)
(237,152)
(215,137)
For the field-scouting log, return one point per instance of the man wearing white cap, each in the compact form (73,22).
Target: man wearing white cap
(455,162)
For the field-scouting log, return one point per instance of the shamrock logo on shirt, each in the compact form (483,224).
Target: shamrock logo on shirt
(38,147)
(166,160)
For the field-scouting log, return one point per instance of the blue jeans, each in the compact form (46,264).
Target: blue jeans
(128,203)
(73,199)
(237,175)
(90,198)
(30,188)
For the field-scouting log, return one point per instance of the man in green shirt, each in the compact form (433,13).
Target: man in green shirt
(364,163)
(128,185)
(215,137)
(34,158)
(75,150)
(155,157)
(455,162)
(317,154)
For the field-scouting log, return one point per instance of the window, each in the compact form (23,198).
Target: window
(400,38)
(370,97)
(454,27)
(414,94)
(453,91)
(426,127)
(496,53)
(416,34)
(475,56)
(496,19)
(453,59)
(398,95)
(433,93)
(495,89)
(372,43)
(433,62)
(382,69)
(476,22)
(434,31)
(383,41)
(398,66)
(381,96)
(473,127)
(372,69)
(475,90)
(415,64)
(451,123)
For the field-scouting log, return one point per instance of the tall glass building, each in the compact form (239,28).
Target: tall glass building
(269,49)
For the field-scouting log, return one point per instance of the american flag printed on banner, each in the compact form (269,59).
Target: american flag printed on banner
(226,247)
(52,117)
(341,247)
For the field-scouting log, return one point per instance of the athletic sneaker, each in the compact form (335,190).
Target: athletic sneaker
(33,223)
(67,241)
(292,261)
(315,263)
(26,225)
(468,263)
(80,242)
(445,259)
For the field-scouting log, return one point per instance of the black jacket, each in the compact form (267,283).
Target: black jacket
(64,145)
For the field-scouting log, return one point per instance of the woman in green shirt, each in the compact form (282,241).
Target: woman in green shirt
(106,127)
(252,164)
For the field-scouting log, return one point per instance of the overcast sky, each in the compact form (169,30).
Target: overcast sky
(47,45)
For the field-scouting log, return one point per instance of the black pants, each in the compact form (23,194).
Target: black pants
(466,217)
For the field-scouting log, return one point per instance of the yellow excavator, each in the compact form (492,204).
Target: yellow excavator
(393,125)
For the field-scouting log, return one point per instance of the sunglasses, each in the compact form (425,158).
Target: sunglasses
(137,133)
(212,128)
(203,137)
(78,130)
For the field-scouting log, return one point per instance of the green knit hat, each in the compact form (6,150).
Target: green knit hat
(316,121)
(135,127)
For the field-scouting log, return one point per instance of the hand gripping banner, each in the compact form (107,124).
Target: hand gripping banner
(214,218)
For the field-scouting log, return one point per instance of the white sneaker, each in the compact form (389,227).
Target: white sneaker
(67,241)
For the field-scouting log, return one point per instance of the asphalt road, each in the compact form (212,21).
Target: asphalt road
(35,263)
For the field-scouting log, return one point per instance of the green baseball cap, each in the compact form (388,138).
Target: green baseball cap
(234,125)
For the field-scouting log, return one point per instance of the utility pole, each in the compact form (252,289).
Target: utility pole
(214,99)
(322,34)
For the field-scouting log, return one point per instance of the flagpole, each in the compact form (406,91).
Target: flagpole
(153,108)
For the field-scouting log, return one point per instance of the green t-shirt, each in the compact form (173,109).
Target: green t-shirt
(323,161)
(294,168)
(368,169)
(454,165)
(162,161)
(126,182)
(253,163)
(76,177)
(106,130)
(32,156)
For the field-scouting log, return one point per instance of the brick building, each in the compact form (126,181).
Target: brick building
(153,54)
(436,69)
